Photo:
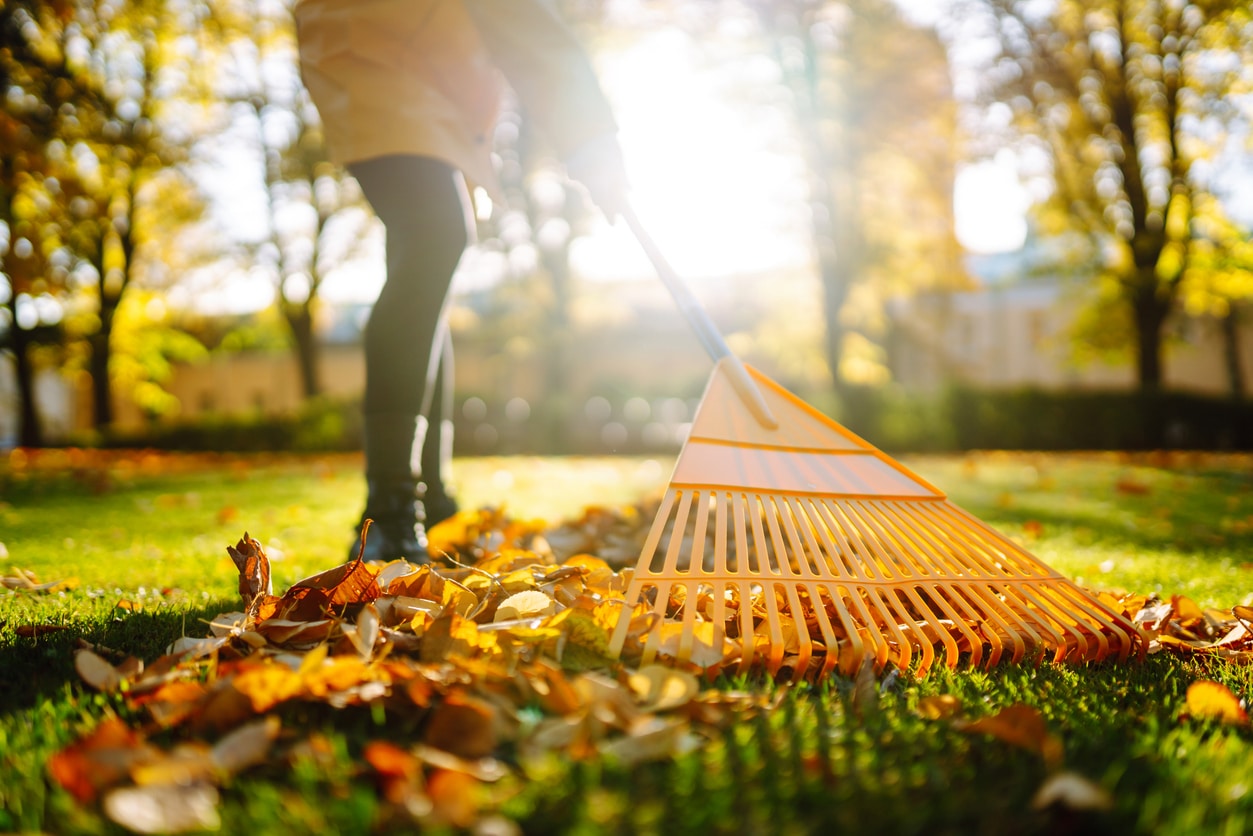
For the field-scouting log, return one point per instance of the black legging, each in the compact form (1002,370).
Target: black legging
(420,202)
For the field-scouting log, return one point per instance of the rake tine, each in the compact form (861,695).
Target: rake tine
(814,528)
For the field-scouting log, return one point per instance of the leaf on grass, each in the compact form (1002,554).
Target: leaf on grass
(363,635)
(398,771)
(1245,616)
(1019,725)
(254,569)
(455,796)
(709,648)
(98,760)
(197,648)
(35,631)
(164,808)
(96,672)
(463,725)
(26,581)
(173,702)
(1186,610)
(650,739)
(268,684)
(1072,791)
(311,598)
(485,769)
(659,688)
(865,698)
(939,707)
(245,746)
(1207,700)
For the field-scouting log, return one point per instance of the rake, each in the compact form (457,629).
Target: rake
(808,550)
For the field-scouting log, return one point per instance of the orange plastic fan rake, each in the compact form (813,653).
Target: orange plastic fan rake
(807,548)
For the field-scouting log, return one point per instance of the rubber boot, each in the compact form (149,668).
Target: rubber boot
(397,526)
(393,493)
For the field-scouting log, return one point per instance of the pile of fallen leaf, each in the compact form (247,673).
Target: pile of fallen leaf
(462,653)
(501,646)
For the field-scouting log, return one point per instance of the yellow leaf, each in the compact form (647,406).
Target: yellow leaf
(660,688)
(939,707)
(1186,610)
(1208,700)
(527,604)
(267,685)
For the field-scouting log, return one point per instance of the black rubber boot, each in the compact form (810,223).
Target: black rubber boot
(397,528)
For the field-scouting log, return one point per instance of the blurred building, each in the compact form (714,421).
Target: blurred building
(1013,332)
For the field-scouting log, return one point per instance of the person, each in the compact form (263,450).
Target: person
(408,91)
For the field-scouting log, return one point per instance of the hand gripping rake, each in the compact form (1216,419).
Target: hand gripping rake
(809,549)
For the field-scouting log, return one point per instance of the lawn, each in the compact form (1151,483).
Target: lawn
(149,532)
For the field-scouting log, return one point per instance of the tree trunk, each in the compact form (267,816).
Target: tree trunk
(1150,312)
(1231,352)
(300,320)
(29,434)
(101,390)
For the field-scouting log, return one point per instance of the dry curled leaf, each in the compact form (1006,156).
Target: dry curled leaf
(254,569)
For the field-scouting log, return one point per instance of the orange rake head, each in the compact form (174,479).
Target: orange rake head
(805,549)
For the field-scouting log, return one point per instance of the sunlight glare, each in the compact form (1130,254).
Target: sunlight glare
(989,205)
(716,181)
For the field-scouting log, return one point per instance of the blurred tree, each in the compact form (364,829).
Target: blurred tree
(87,146)
(48,97)
(141,55)
(1129,99)
(1220,281)
(316,215)
(873,101)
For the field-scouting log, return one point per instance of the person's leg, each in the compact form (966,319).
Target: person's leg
(437,451)
(419,200)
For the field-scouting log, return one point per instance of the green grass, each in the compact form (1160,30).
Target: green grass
(155,532)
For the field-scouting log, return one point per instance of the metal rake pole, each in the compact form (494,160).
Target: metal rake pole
(708,334)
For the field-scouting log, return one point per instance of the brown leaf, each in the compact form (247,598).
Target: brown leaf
(35,631)
(1019,725)
(96,672)
(172,702)
(99,759)
(311,598)
(463,725)
(398,770)
(254,569)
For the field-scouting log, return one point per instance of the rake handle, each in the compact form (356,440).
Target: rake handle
(706,332)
